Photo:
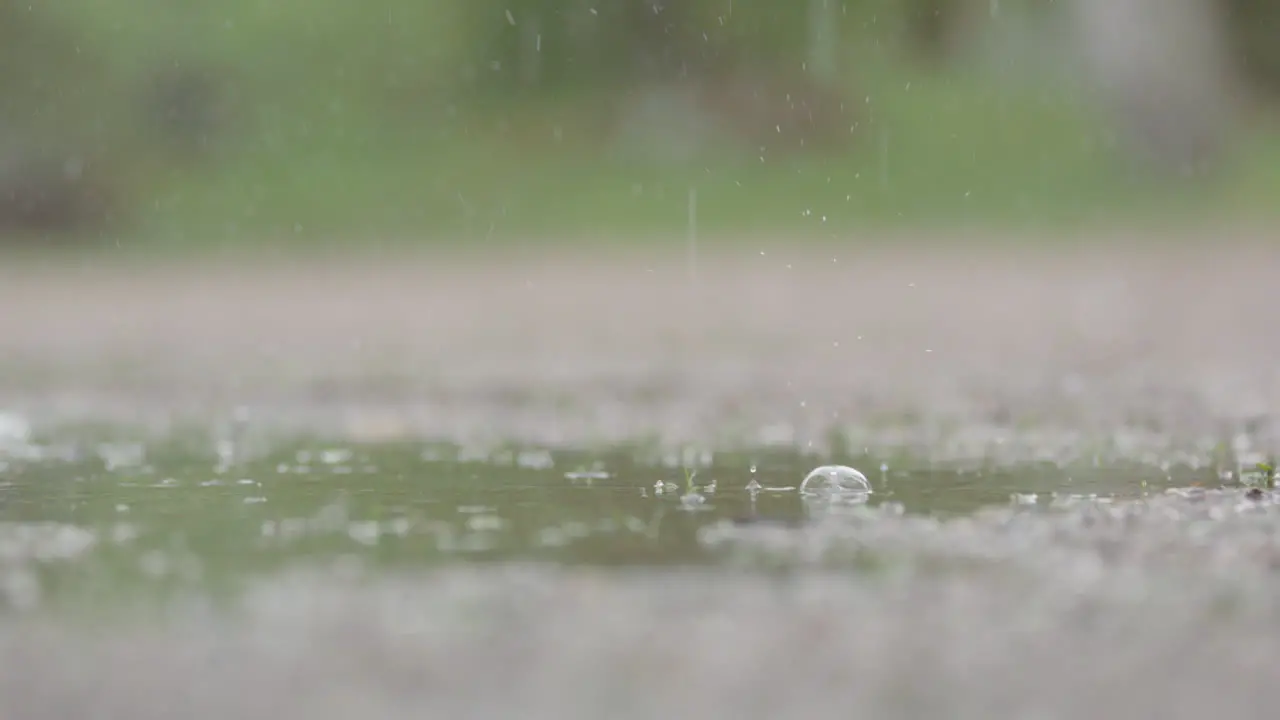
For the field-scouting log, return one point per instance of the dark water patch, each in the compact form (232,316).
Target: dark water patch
(85,516)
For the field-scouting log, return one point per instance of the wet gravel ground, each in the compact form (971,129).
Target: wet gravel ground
(1165,606)
(762,343)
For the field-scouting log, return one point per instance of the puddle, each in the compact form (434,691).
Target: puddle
(627,581)
(149,518)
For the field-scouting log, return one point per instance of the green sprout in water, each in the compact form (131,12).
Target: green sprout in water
(689,487)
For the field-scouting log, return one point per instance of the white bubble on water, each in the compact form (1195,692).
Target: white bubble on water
(835,480)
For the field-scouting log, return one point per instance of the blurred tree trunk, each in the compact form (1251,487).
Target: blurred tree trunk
(1254,31)
(824,40)
(1162,72)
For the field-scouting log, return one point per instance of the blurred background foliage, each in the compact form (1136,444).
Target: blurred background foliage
(471,121)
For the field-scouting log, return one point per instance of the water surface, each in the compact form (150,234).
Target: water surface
(128,514)
(314,578)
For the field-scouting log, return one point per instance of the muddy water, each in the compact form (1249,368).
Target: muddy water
(568,489)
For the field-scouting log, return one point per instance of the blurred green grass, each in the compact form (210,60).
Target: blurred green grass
(345,128)
(943,153)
